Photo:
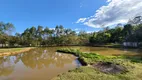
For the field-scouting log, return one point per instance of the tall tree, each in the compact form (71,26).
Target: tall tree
(39,33)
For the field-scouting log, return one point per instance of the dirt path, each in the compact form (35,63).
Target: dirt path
(14,51)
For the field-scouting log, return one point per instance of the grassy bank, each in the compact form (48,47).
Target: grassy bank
(110,45)
(9,51)
(132,64)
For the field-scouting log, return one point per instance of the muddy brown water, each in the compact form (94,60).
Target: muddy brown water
(46,63)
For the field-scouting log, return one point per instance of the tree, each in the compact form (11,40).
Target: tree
(13,41)
(116,34)
(4,39)
(39,34)
(138,33)
(5,29)
(83,38)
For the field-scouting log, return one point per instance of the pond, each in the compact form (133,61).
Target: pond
(109,51)
(46,63)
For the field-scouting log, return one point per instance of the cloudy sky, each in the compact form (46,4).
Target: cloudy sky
(88,15)
(116,11)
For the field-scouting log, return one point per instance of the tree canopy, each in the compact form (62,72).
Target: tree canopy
(60,36)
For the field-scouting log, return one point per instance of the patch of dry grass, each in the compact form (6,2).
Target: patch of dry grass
(9,51)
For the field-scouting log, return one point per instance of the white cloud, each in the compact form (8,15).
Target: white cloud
(81,20)
(51,28)
(117,11)
(108,0)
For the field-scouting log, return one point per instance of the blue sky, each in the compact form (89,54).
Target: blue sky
(27,13)
(88,15)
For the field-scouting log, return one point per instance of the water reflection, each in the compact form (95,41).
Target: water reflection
(43,58)
(46,63)
(109,51)
(36,61)
(6,68)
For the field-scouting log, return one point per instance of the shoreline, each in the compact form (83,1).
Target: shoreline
(21,50)
(97,64)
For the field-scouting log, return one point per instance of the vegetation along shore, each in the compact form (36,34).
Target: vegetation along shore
(60,36)
(101,67)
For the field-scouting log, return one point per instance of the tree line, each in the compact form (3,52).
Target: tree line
(44,36)
(41,36)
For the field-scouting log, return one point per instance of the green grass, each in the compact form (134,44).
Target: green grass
(89,73)
(111,45)
(132,63)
